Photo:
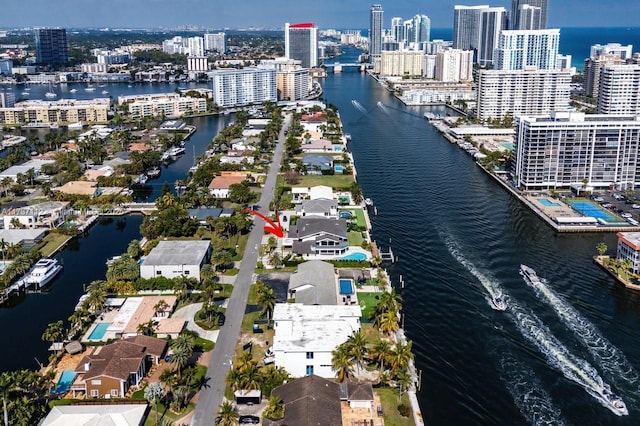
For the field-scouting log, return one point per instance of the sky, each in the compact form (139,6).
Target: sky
(236,14)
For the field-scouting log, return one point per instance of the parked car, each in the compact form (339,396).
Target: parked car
(221,319)
(598,199)
(636,206)
(626,215)
(249,420)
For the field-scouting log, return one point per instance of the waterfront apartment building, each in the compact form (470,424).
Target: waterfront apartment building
(169,104)
(493,20)
(60,111)
(569,149)
(466,26)
(629,249)
(529,14)
(251,85)
(197,63)
(624,52)
(454,65)
(376,31)
(111,57)
(6,66)
(593,69)
(7,99)
(51,46)
(194,46)
(619,90)
(292,80)
(301,43)
(215,42)
(522,92)
(401,63)
(527,49)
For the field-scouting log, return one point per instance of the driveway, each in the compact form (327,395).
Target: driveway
(188,313)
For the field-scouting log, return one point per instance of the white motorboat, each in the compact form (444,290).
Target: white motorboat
(153,172)
(175,151)
(529,275)
(89,89)
(51,95)
(112,259)
(616,404)
(140,180)
(43,272)
(105,92)
(368,201)
(73,90)
(498,303)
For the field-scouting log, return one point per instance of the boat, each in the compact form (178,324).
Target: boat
(368,201)
(54,126)
(50,93)
(153,172)
(73,90)
(42,272)
(89,89)
(616,404)
(112,259)
(498,303)
(530,275)
(347,137)
(175,151)
(105,92)
(140,180)
(25,93)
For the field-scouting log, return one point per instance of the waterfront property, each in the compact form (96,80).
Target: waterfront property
(130,414)
(169,104)
(305,336)
(318,236)
(179,258)
(62,111)
(49,214)
(629,249)
(314,284)
(590,209)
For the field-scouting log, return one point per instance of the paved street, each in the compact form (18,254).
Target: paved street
(211,395)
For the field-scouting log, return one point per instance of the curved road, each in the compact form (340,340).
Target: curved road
(212,393)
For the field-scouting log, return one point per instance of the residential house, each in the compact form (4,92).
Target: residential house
(319,146)
(23,169)
(92,175)
(357,395)
(24,237)
(140,310)
(79,187)
(241,145)
(238,157)
(318,236)
(220,185)
(305,336)
(315,283)
(49,214)
(111,370)
(130,414)
(311,193)
(202,213)
(319,207)
(178,258)
(309,401)
(315,164)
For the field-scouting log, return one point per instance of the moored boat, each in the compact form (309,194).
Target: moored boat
(140,180)
(42,272)
(153,172)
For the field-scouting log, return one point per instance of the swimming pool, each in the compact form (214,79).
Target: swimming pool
(589,208)
(64,382)
(355,256)
(346,286)
(548,203)
(338,168)
(345,214)
(98,331)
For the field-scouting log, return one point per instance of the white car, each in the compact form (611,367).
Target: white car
(598,199)
(635,206)
(626,215)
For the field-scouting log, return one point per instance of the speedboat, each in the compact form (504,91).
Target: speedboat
(43,271)
(73,90)
(529,274)
(112,259)
(153,172)
(368,201)
(498,303)
(616,404)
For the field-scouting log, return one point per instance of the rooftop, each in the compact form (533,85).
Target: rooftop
(178,252)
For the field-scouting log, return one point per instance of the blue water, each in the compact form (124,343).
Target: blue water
(587,208)
(64,382)
(547,203)
(338,168)
(355,256)
(98,331)
(346,214)
(346,286)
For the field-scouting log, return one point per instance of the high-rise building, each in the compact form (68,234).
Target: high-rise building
(51,46)
(301,43)
(233,87)
(292,80)
(7,100)
(215,42)
(397,30)
(567,149)
(492,21)
(593,69)
(619,91)
(401,63)
(454,65)
(624,52)
(520,49)
(529,17)
(6,67)
(194,46)
(197,63)
(421,30)
(522,92)
(375,32)
(516,14)
(466,26)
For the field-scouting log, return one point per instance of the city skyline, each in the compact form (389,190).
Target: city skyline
(328,14)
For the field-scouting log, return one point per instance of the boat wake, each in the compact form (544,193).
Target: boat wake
(609,358)
(382,107)
(489,283)
(532,400)
(558,356)
(359,106)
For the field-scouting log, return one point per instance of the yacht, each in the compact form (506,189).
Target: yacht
(174,151)
(105,92)
(112,259)
(368,201)
(90,89)
(153,172)
(73,90)
(498,303)
(140,180)
(25,93)
(50,94)
(529,275)
(616,404)
(43,272)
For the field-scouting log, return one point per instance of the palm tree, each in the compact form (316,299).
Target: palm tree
(3,248)
(7,384)
(404,380)
(180,359)
(388,322)
(602,248)
(227,414)
(400,356)
(159,307)
(133,249)
(53,332)
(267,299)
(275,409)
(146,328)
(184,343)
(357,345)
(342,362)
(154,394)
(380,352)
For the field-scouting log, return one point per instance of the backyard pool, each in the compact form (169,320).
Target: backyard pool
(98,331)
(346,286)
(345,214)
(589,208)
(355,256)
(64,382)
(338,168)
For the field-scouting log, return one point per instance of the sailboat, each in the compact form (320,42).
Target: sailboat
(50,93)
(193,168)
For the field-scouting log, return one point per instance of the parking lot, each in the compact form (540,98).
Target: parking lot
(624,205)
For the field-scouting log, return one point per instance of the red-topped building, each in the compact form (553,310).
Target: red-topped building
(301,43)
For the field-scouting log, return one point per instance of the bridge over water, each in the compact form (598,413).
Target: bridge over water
(338,67)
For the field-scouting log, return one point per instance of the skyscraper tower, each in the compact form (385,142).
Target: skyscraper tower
(517,24)
(301,43)
(375,31)
(466,26)
(51,46)
(397,29)
(492,21)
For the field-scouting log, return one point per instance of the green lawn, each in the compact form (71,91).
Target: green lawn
(334,181)
(368,302)
(52,242)
(354,238)
(389,400)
